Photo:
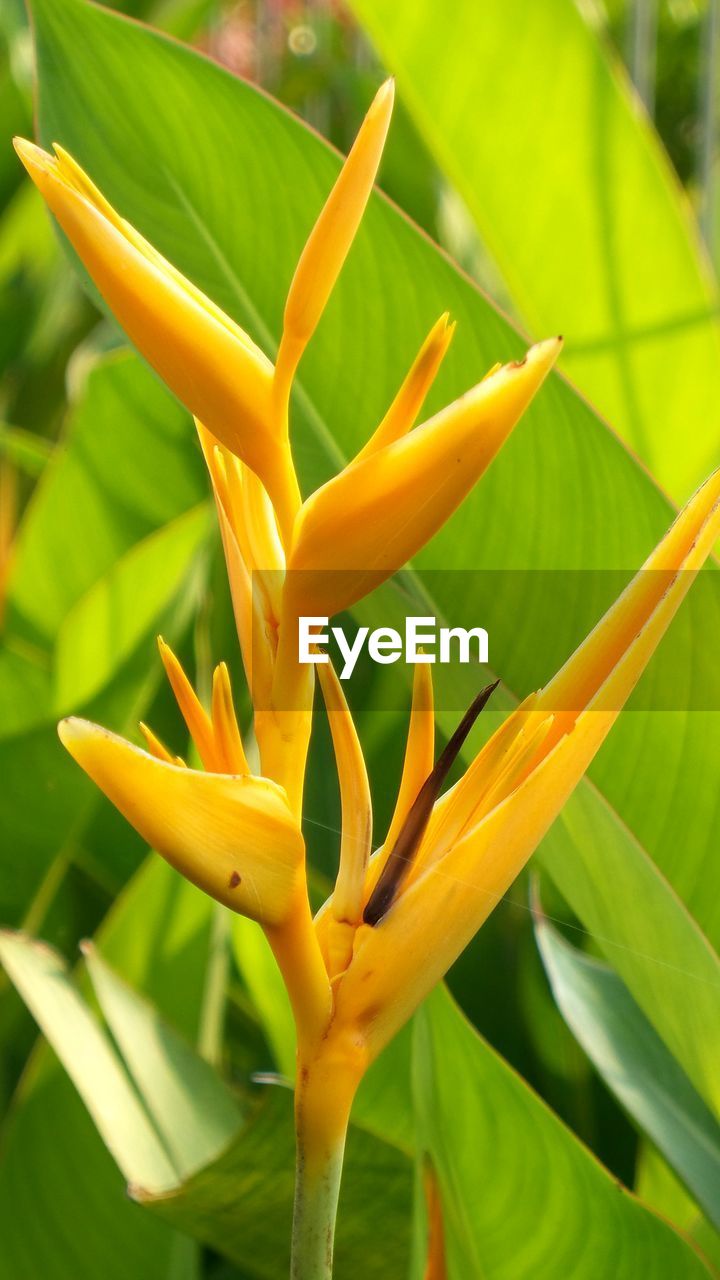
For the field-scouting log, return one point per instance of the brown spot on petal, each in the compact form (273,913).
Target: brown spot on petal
(235,880)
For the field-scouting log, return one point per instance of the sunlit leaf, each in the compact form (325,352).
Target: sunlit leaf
(635,1064)
(520,1195)
(158,935)
(535,125)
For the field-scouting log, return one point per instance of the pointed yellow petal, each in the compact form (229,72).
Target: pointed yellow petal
(234,837)
(330,239)
(501,755)
(606,666)
(257,637)
(409,400)
(369,520)
(193,712)
(206,359)
(397,962)
(419,750)
(347,898)
(266,550)
(417,766)
(158,748)
(224,722)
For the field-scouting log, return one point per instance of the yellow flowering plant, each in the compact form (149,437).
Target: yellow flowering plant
(398,917)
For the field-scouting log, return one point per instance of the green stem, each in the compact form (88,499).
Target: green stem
(322,1110)
(316,1200)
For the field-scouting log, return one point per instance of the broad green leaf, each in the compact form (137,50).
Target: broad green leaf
(644,932)
(126,473)
(29,452)
(635,1064)
(563,494)
(658,1186)
(124,470)
(180,1113)
(43,981)
(242,1205)
(64,1208)
(520,1194)
(537,128)
(105,627)
(194,1112)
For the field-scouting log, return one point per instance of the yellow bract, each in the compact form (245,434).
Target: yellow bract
(397,921)
(233,836)
(206,359)
(496,816)
(375,515)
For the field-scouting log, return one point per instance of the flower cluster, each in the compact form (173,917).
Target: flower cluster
(397,918)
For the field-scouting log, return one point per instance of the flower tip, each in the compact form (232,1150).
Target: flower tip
(546,352)
(382,103)
(76,733)
(70,729)
(32,156)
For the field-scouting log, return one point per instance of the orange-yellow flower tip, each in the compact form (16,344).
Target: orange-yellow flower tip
(193,712)
(206,359)
(329,241)
(157,748)
(32,156)
(234,837)
(366,522)
(224,722)
(384,100)
(403,411)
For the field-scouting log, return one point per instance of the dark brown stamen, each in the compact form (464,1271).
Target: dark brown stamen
(413,828)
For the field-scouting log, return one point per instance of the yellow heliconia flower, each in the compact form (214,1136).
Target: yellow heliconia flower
(241,398)
(397,920)
(285,557)
(438,876)
(232,834)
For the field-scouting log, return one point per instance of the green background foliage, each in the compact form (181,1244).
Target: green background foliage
(520,144)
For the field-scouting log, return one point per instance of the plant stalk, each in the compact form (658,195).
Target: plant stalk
(323,1099)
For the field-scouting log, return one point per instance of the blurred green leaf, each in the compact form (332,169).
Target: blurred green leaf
(106,625)
(63,1204)
(127,467)
(520,1195)
(43,981)
(658,1186)
(120,493)
(194,1113)
(537,128)
(635,1064)
(29,452)
(242,1204)
(269,996)
(643,930)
